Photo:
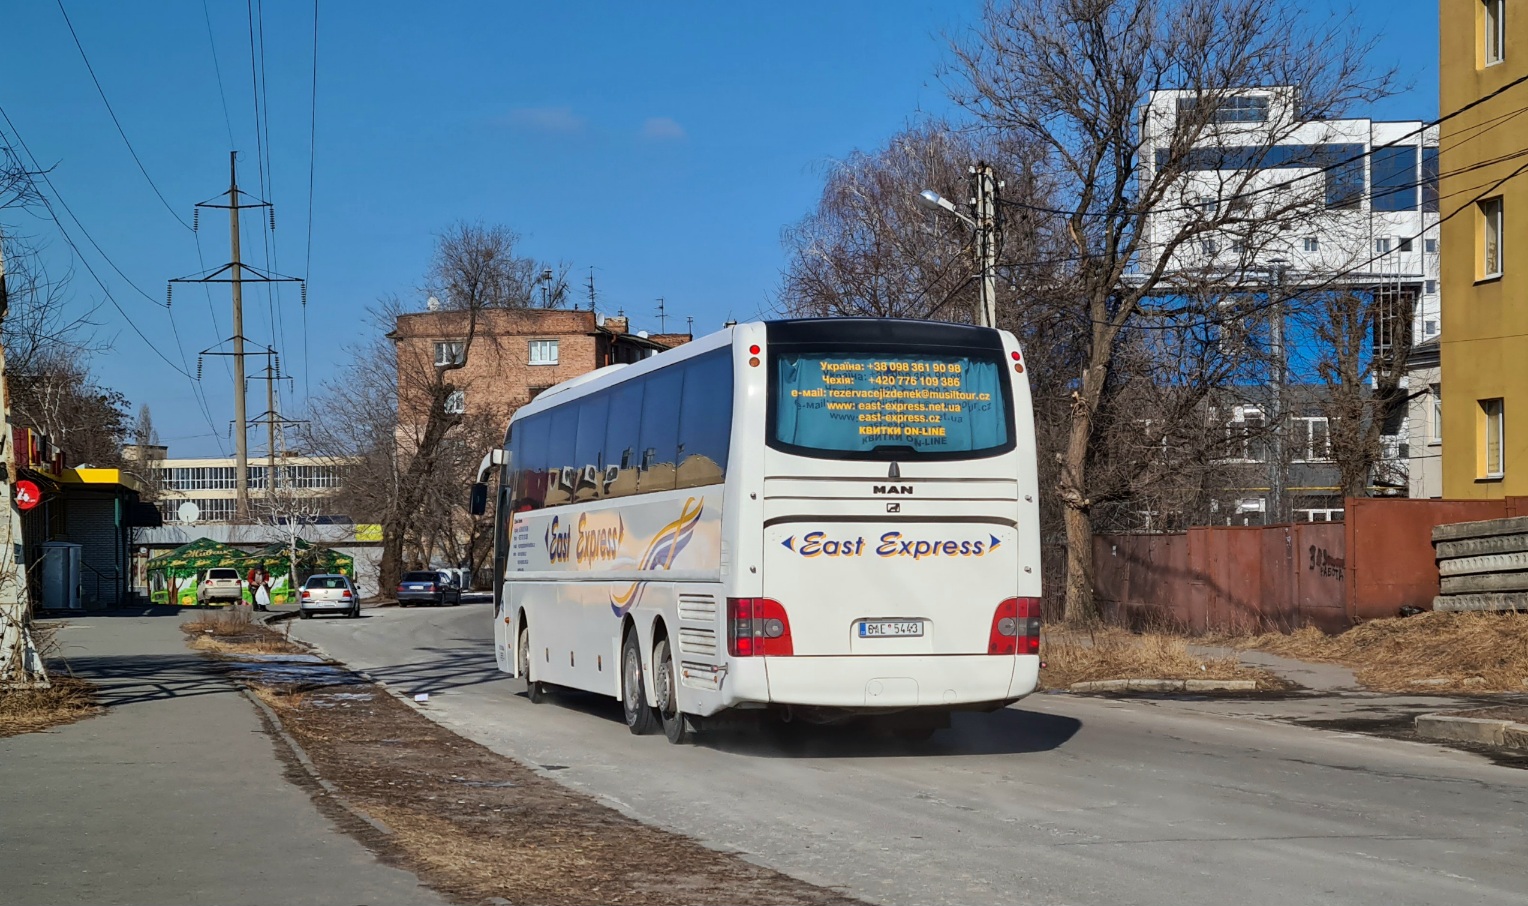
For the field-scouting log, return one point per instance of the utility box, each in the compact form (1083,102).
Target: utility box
(60,575)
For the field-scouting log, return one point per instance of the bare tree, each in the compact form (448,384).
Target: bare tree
(405,429)
(1073,76)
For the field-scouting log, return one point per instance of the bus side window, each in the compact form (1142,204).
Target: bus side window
(660,431)
(530,463)
(560,467)
(621,438)
(705,421)
(592,413)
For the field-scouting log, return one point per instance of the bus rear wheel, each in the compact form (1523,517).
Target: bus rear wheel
(675,725)
(640,718)
(534,691)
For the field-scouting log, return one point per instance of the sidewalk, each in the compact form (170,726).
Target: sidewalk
(175,795)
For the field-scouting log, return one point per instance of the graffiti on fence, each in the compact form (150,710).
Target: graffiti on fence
(1325,564)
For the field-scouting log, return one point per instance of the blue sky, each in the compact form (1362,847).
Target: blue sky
(666,145)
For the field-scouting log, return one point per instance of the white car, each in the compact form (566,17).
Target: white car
(329,594)
(221,584)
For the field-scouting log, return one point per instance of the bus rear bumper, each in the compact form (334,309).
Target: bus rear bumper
(906,681)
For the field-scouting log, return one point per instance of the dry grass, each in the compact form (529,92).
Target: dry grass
(232,631)
(1431,652)
(232,621)
(29,710)
(1110,653)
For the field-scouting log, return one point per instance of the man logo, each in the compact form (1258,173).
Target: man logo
(892,489)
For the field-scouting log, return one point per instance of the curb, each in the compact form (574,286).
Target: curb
(307,764)
(1484,731)
(1164,685)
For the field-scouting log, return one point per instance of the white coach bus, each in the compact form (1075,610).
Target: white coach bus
(828,518)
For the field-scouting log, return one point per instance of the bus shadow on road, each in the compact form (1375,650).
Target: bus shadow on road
(1010,731)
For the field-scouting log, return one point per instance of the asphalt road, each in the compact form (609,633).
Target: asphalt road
(1059,799)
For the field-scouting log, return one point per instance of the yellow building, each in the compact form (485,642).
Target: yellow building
(1484,248)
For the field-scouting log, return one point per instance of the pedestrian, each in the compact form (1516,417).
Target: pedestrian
(263,591)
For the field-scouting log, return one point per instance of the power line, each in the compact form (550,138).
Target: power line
(184,368)
(118,123)
(1398,141)
(218,70)
(307,268)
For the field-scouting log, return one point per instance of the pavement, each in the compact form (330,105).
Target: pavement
(175,795)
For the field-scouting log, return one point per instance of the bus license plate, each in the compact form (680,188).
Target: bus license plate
(872,629)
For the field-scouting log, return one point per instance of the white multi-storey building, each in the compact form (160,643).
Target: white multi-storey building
(1342,204)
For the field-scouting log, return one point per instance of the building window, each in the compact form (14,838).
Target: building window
(453,352)
(1244,436)
(1430,246)
(1312,244)
(1435,428)
(1490,236)
(1393,173)
(1312,440)
(1430,287)
(1494,41)
(456,402)
(1493,419)
(543,352)
(1430,179)
(1208,246)
(1251,108)
(1429,327)
(1382,246)
(1404,243)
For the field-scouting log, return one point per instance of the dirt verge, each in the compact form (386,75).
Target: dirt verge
(1111,653)
(64,701)
(1433,653)
(474,824)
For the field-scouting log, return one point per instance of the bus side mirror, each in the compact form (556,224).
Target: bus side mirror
(479,498)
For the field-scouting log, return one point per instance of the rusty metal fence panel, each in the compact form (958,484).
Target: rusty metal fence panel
(1320,576)
(1392,555)
(1282,577)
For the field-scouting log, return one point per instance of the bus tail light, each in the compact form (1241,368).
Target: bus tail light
(1015,627)
(757,627)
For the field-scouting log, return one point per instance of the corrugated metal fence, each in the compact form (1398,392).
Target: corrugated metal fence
(1282,577)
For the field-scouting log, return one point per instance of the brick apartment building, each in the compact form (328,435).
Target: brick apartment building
(514,354)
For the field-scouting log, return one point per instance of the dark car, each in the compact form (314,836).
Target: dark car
(427,587)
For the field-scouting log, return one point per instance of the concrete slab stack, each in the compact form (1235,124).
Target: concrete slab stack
(1482,565)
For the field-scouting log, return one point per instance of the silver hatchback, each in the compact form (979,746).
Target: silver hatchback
(329,594)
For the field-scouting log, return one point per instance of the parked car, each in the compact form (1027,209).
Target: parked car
(329,594)
(221,585)
(428,587)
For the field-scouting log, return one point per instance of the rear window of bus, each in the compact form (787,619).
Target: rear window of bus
(853,403)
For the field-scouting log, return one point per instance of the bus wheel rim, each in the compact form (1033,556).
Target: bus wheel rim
(633,672)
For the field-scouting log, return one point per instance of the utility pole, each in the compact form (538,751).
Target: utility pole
(1279,374)
(271,417)
(237,274)
(21,664)
(241,470)
(985,187)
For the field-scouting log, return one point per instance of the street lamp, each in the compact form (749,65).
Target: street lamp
(933,201)
(984,205)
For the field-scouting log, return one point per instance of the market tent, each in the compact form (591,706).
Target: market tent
(276,561)
(173,575)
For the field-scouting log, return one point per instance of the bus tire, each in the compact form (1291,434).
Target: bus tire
(666,678)
(536,692)
(640,718)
